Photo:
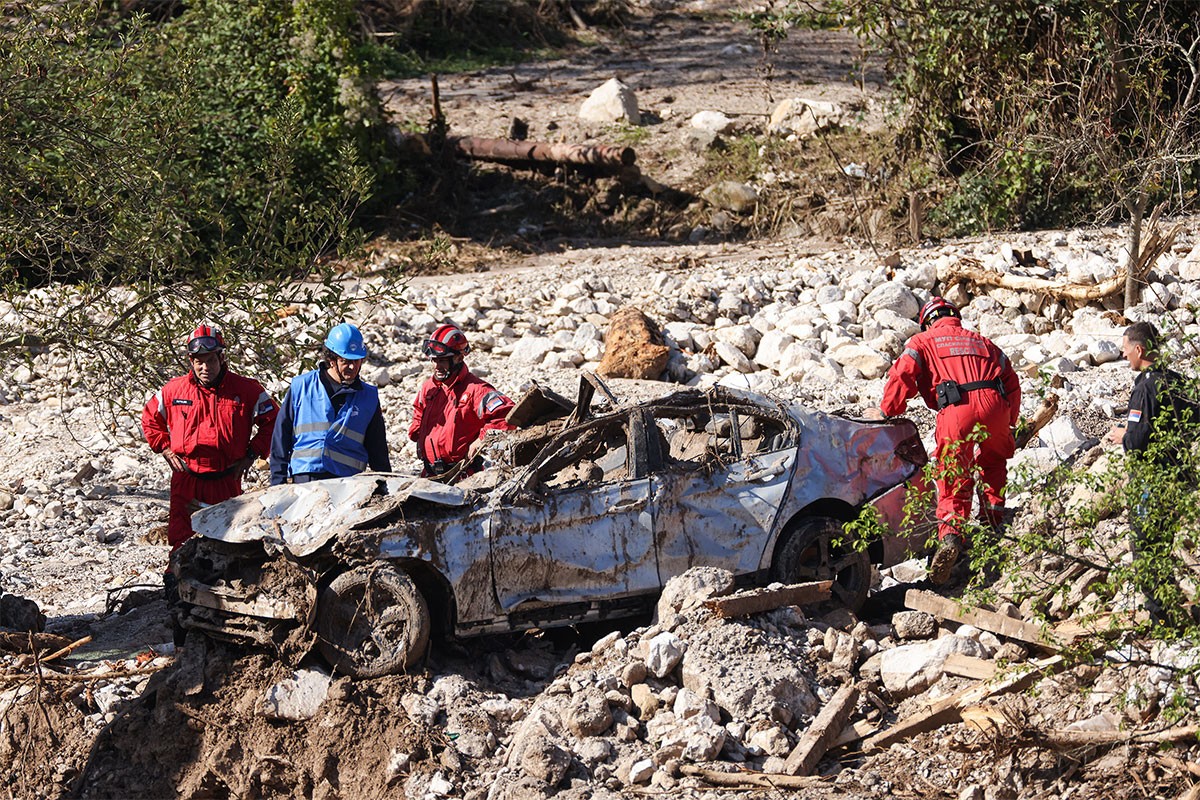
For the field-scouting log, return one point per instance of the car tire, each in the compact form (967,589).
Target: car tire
(808,553)
(372,621)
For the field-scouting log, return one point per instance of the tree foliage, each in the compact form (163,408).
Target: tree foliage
(1048,112)
(153,174)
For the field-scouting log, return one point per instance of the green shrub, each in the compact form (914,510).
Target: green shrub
(134,151)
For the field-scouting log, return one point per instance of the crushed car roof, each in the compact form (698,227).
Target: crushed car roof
(301,517)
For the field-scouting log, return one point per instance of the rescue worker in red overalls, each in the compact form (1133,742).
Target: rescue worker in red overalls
(204,424)
(453,409)
(970,382)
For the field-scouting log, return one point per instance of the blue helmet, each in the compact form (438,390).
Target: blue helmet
(346,341)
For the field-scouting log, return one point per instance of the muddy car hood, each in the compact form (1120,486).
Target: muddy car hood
(301,517)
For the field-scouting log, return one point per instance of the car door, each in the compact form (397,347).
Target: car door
(581,530)
(719,477)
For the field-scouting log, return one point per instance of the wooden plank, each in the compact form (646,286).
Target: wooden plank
(1000,624)
(946,710)
(754,602)
(823,731)
(1070,630)
(860,729)
(969,667)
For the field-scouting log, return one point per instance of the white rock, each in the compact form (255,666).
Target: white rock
(1104,351)
(420,709)
(743,337)
(870,363)
(663,654)
(771,348)
(713,121)
(1062,436)
(641,771)
(803,117)
(893,296)
(906,327)
(912,668)
(734,357)
(298,697)
(612,101)
(681,334)
(532,349)
(688,704)
(772,741)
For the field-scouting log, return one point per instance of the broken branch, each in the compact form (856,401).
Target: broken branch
(1068,740)
(510,150)
(971,271)
(1040,419)
(65,650)
(743,779)
(75,677)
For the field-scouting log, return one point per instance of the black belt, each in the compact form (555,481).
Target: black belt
(951,393)
(213,476)
(970,387)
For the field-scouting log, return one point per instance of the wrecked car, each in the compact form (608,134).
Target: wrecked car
(583,514)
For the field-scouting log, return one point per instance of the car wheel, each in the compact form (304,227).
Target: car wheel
(372,621)
(809,554)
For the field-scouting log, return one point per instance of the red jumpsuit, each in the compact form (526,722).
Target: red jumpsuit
(448,417)
(209,429)
(948,352)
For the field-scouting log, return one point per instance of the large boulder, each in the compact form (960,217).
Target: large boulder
(894,297)
(728,664)
(20,614)
(634,347)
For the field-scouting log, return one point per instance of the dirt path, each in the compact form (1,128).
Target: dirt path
(678,64)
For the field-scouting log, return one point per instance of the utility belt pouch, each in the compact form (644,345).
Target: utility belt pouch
(948,394)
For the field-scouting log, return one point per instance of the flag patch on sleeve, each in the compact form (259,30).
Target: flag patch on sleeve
(1135,415)
(491,402)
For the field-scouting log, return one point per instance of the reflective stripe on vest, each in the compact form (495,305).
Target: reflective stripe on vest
(323,442)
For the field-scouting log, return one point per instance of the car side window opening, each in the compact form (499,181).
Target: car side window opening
(711,436)
(599,454)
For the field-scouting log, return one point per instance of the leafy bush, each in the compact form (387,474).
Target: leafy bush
(134,151)
(155,175)
(1049,112)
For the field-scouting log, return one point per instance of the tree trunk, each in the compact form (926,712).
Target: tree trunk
(1137,212)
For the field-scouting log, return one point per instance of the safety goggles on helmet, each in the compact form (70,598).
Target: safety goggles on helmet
(448,340)
(435,349)
(204,344)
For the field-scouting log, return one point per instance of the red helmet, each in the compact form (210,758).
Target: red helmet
(936,307)
(205,339)
(447,340)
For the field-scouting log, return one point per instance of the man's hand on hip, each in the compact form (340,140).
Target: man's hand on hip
(174,460)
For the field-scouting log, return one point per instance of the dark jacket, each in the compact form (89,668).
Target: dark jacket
(1156,392)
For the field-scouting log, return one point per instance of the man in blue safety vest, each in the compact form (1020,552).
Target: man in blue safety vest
(331,423)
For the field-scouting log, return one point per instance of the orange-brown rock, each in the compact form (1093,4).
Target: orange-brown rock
(634,347)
